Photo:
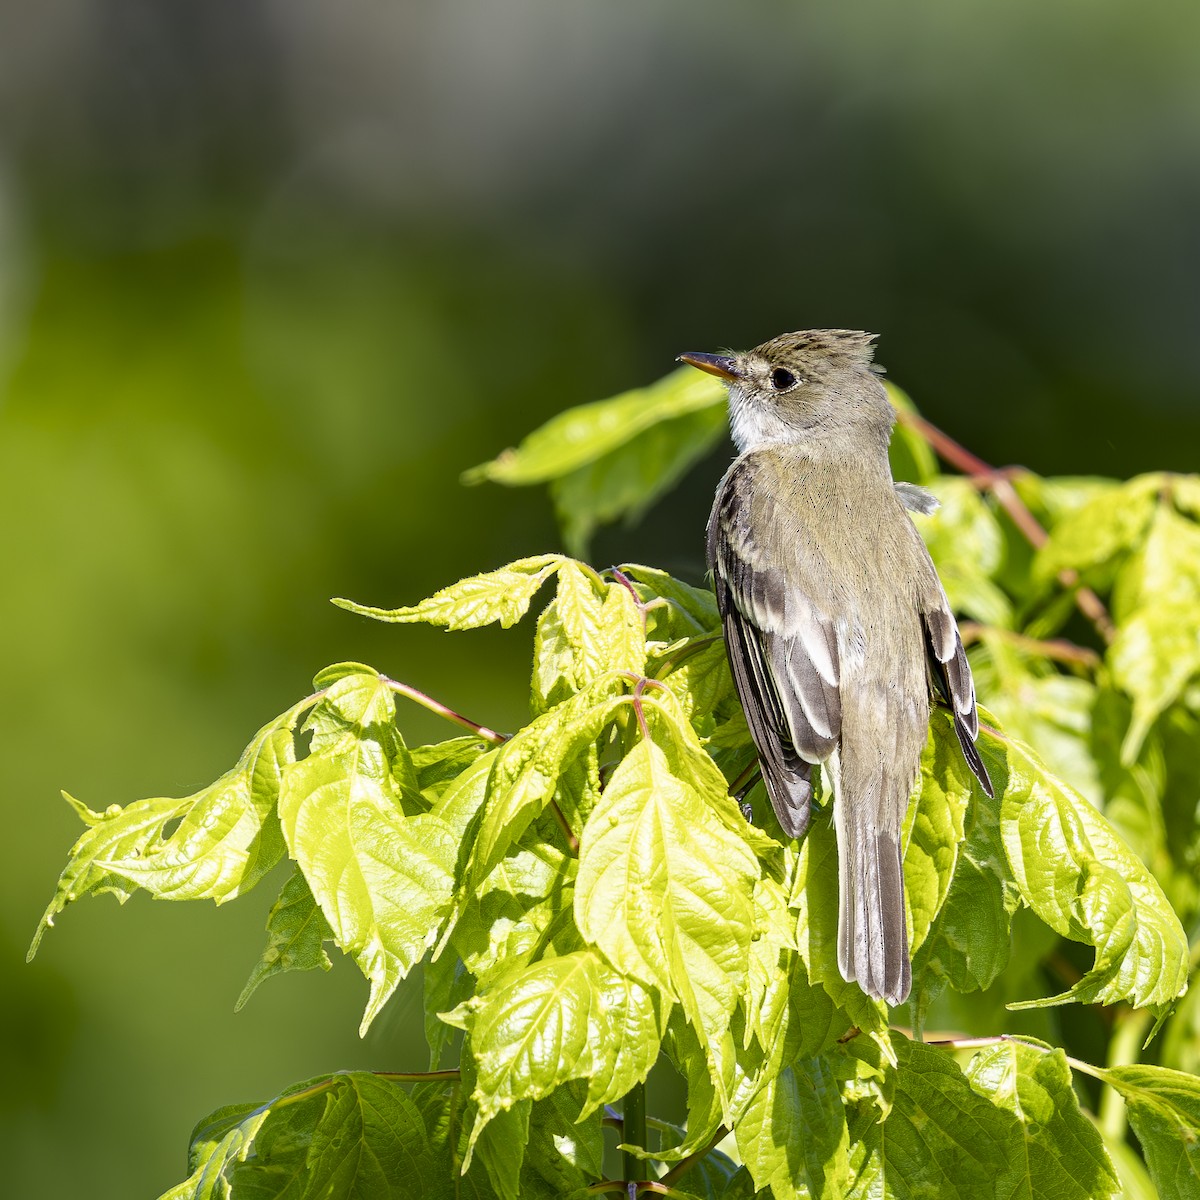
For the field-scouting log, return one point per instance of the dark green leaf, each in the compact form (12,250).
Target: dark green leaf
(296,935)
(939,1139)
(1060,1153)
(1164,1110)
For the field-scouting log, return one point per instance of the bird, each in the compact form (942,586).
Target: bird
(837,628)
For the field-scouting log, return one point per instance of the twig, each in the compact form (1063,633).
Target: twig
(442,710)
(560,817)
(1058,649)
(999,483)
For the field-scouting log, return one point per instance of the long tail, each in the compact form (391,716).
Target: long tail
(872,930)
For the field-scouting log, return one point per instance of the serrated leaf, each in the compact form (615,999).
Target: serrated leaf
(225,840)
(627,480)
(503,596)
(1079,877)
(793,1136)
(521,911)
(1060,1153)
(296,935)
(363,1139)
(535,1030)
(383,881)
(939,1139)
(586,631)
(1164,1110)
(585,433)
(665,889)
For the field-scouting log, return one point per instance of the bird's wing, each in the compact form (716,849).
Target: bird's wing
(952,676)
(782,648)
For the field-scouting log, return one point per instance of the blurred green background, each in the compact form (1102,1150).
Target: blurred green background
(272,275)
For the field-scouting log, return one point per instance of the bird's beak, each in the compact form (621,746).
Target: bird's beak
(720,365)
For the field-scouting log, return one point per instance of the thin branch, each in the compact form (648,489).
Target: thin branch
(572,840)
(1000,485)
(1058,649)
(443,710)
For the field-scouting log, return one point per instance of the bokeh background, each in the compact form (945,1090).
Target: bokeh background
(272,274)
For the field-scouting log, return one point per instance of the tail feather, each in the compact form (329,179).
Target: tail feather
(872,929)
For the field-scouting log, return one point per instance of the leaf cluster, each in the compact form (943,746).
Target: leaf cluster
(590,900)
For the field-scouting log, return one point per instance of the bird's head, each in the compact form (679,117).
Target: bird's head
(815,384)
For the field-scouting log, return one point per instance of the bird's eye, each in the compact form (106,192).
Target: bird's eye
(782,379)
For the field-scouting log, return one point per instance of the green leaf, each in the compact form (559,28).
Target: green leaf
(225,840)
(583,434)
(1079,877)
(1092,535)
(590,628)
(296,935)
(665,889)
(535,1030)
(436,767)
(793,1136)
(1156,652)
(692,610)
(383,881)
(503,595)
(1164,1110)
(566,1151)
(940,1138)
(530,766)
(636,1022)
(357,1137)
(626,481)
(1184,491)
(222,1139)
(521,911)
(1060,1152)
